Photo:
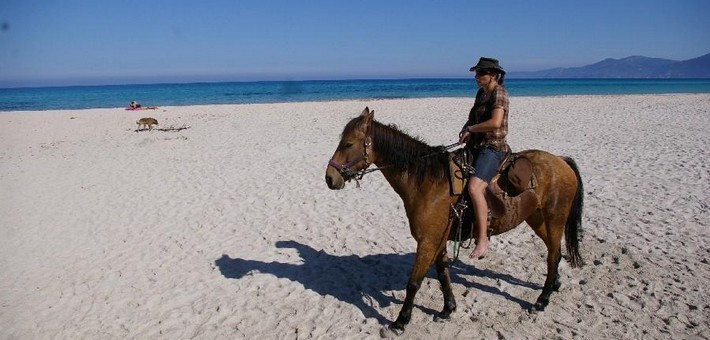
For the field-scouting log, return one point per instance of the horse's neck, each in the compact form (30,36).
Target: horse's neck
(397,178)
(400,179)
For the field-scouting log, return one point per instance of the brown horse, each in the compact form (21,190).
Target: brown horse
(420,175)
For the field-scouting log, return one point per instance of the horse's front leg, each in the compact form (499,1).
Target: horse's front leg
(444,274)
(422,263)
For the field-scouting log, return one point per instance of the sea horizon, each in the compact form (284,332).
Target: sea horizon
(275,91)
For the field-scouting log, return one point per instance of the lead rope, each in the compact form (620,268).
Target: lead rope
(458,210)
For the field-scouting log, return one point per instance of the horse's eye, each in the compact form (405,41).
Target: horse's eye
(347,145)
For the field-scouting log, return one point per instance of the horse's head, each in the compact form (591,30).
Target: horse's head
(354,153)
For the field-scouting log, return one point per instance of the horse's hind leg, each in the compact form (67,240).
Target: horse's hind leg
(550,231)
(444,274)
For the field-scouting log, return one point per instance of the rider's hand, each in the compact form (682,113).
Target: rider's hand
(463,136)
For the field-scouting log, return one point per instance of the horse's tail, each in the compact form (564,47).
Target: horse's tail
(573,228)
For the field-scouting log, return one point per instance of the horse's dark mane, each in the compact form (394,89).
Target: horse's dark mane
(406,153)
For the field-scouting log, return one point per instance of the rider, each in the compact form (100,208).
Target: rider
(485,132)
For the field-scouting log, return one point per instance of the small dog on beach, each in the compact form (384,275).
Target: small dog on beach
(146,122)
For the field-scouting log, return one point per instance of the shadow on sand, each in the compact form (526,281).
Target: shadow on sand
(360,281)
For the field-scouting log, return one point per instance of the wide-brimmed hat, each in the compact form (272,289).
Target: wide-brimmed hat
(488,64)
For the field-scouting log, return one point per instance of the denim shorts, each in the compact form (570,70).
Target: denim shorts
(487,163)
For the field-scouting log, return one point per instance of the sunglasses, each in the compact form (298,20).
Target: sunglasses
(483,73)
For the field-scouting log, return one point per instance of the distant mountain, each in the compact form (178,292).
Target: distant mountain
(629,67)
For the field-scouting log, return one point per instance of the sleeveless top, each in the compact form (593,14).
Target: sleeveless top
(482,111)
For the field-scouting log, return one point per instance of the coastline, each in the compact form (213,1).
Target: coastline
(111,96)
(176,108)
(227,229)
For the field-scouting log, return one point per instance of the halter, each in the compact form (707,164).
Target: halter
(344,169)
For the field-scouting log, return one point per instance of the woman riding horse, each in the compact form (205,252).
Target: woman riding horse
(419,174)
(485,132)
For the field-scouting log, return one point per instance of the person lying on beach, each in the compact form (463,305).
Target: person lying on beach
(134,105)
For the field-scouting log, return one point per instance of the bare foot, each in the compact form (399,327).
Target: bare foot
(480,250)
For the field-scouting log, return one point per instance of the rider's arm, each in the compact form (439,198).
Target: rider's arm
(492,124)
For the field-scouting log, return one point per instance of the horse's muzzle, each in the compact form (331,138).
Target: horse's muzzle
(334,180)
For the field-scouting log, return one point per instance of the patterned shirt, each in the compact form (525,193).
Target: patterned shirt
(482,111)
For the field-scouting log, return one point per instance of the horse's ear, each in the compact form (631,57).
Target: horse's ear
(367,117)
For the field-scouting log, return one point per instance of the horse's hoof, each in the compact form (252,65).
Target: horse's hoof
(443,316)
(538,307)
(391,332)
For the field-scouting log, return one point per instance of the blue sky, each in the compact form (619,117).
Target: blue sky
(73,42)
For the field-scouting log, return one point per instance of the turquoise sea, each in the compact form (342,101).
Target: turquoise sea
(113,96)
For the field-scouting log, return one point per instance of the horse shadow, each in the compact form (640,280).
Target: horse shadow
(359,281)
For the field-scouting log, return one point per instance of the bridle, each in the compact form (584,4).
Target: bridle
(344,169)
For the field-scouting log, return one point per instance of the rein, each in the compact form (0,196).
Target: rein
(344,169)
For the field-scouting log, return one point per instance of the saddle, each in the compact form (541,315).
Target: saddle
(510,195)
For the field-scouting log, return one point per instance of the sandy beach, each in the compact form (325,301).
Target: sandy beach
(227,230)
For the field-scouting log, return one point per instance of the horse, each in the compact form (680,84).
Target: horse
(420,175)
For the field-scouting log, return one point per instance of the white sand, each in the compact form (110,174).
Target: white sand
(227,230)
